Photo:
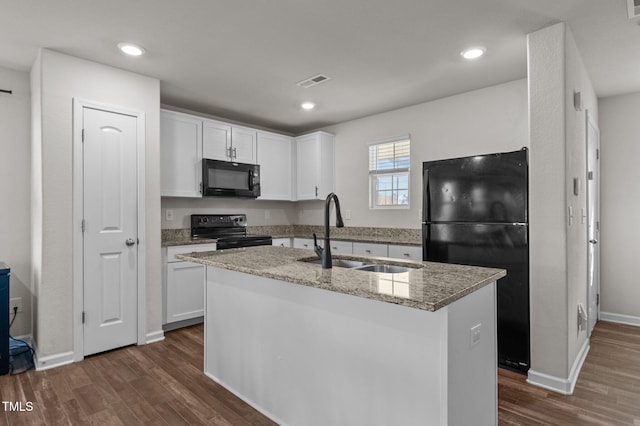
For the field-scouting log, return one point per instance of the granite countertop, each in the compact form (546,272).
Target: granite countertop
(429,287)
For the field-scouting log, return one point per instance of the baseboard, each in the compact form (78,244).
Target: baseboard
(52,361)
(155,336)
(557,384)
(184,323)
(619,318)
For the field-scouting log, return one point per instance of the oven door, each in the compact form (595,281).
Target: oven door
(228,179)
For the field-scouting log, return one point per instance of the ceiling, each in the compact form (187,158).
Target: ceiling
(241,59)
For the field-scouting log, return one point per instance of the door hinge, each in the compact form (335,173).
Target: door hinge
(590,175)
(83,317)
(598,299)
(82,135)
(83,225)
(598,154)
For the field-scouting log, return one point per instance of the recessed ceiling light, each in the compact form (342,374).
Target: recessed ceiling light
(473,52)
(308,105)
(131,49)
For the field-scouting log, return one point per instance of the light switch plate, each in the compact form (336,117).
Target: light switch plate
(474,335)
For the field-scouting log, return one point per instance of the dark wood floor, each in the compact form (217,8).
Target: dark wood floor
(163,383)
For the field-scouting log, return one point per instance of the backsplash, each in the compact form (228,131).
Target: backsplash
(352,233)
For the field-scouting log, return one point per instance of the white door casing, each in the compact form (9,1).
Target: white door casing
(593,222)
(109,266)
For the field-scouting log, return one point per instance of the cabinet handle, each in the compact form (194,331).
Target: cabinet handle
(316,191)
(406,255)
(368,251)
(229,153)
(201,187)
(281,244)
(235,153)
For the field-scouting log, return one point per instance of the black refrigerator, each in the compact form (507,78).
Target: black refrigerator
(475,212)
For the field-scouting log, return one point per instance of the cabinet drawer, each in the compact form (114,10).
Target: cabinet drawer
(370,249)
(282,242)
(405,252)
(304,243)
(341,247)
(173,250)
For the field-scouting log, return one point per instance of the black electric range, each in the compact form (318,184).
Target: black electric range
(230,230)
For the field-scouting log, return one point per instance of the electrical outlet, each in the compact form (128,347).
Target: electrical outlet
(267,214)
(347,214)
(15,302)
(169,214)
(474,335)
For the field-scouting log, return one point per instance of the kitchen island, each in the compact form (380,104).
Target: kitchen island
(312,346)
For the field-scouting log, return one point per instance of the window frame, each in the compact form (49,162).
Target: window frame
(374,175)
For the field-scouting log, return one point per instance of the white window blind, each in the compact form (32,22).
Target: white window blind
(389,173)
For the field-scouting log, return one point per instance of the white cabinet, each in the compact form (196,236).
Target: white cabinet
(282,242)
(276,166)
(180,155)
(405,252)
(370,249)
(345,247)
(221,141)
(315,166)
(183,284)
(305,243)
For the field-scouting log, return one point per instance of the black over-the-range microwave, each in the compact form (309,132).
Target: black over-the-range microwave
(230,179)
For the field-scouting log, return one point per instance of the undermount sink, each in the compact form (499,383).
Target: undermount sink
(357,265)
(387,269)
(341,263)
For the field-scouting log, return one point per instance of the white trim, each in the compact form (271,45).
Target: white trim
(77,215)
(620,318)
(154,336)
(53,361)
(557,384)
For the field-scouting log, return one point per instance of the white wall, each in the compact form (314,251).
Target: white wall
(483,121)
(558,155)
(620,206)
(60,78)
(15,189)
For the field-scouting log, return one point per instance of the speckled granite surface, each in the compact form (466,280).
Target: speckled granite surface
(429,287)
(399,236)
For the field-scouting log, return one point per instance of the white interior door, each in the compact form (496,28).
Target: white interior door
(593,221)
(110,248)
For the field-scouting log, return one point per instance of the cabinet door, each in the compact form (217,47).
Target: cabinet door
(370,249)
(305,243)
(216,140)
(315,166)
(405,252)
(243,145)
(281,242)
(276,168)
(345,247)
(308,167)
(185,291)
(180,155)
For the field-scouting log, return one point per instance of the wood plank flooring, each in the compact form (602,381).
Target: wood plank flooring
(163,383)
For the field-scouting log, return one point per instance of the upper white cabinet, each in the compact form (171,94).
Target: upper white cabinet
(276,166)
(180,155)
(315,166)
(221,141)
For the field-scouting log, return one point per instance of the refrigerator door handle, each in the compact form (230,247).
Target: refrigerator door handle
(519,224)
(425,196)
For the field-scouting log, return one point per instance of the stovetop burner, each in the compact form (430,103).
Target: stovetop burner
(229,229)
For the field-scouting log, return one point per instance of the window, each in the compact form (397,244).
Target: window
(389,173)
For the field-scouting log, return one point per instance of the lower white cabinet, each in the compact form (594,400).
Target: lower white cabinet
(345,247)
(183,284)
(405,252)
(370,249)
(282,242)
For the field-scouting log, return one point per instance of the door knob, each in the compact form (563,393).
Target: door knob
(130,242)
(593,241)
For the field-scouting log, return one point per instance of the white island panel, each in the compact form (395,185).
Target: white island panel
(307,356)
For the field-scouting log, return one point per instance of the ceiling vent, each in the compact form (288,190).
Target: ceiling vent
(633,8)
(317,79)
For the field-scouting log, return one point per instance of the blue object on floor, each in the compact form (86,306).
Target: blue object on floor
(21,356)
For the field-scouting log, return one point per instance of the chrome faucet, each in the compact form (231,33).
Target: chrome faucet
(325,253)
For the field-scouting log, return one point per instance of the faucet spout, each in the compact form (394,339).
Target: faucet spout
(325,253)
